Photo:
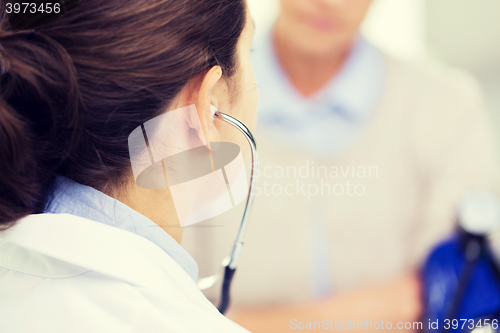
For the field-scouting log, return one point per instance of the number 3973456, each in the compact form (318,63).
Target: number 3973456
(32,8)
(470,323)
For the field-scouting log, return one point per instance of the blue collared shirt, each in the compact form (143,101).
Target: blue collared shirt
(330,121)
(324,125)
(73,198)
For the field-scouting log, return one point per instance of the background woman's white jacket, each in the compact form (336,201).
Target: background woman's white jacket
(63,273)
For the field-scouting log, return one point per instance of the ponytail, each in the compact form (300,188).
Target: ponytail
(19,191)
(39,106)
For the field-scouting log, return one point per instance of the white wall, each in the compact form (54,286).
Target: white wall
(264,13)
(465,33)
(398,27)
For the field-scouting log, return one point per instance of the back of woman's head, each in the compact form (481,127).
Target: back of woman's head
(72,91)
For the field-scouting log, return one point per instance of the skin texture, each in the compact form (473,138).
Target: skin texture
(236,96)
(313,39)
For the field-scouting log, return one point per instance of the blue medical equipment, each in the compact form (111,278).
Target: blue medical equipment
(461,279)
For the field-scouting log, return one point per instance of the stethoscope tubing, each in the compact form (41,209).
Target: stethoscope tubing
(230,263)
(238,245)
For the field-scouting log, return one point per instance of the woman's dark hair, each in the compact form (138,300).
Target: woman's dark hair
(75,89)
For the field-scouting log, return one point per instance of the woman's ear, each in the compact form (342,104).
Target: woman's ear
(206,93)
(207,99)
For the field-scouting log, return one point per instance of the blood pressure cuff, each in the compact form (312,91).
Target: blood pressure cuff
(444,291)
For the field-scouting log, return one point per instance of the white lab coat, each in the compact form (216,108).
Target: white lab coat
(62,273)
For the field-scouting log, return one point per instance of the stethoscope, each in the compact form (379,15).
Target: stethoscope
(230,262)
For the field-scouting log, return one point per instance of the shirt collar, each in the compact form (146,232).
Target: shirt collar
(84,201)
(357,88)
(352,94)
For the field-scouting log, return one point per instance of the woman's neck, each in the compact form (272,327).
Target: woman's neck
(307,72)
(157,205)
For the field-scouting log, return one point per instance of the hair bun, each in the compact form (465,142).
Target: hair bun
(19,191)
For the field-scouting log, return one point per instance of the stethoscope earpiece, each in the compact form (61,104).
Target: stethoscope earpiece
(213,109)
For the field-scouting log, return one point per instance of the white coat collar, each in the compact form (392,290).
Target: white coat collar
(69,197)
(61,245)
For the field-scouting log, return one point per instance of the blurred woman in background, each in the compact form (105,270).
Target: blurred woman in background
(400,143)
(84,249)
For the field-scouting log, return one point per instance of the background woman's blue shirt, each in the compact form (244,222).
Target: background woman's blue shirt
(330,121)
(325,125)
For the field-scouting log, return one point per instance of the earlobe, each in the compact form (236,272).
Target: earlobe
(208,129)
(213,134)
